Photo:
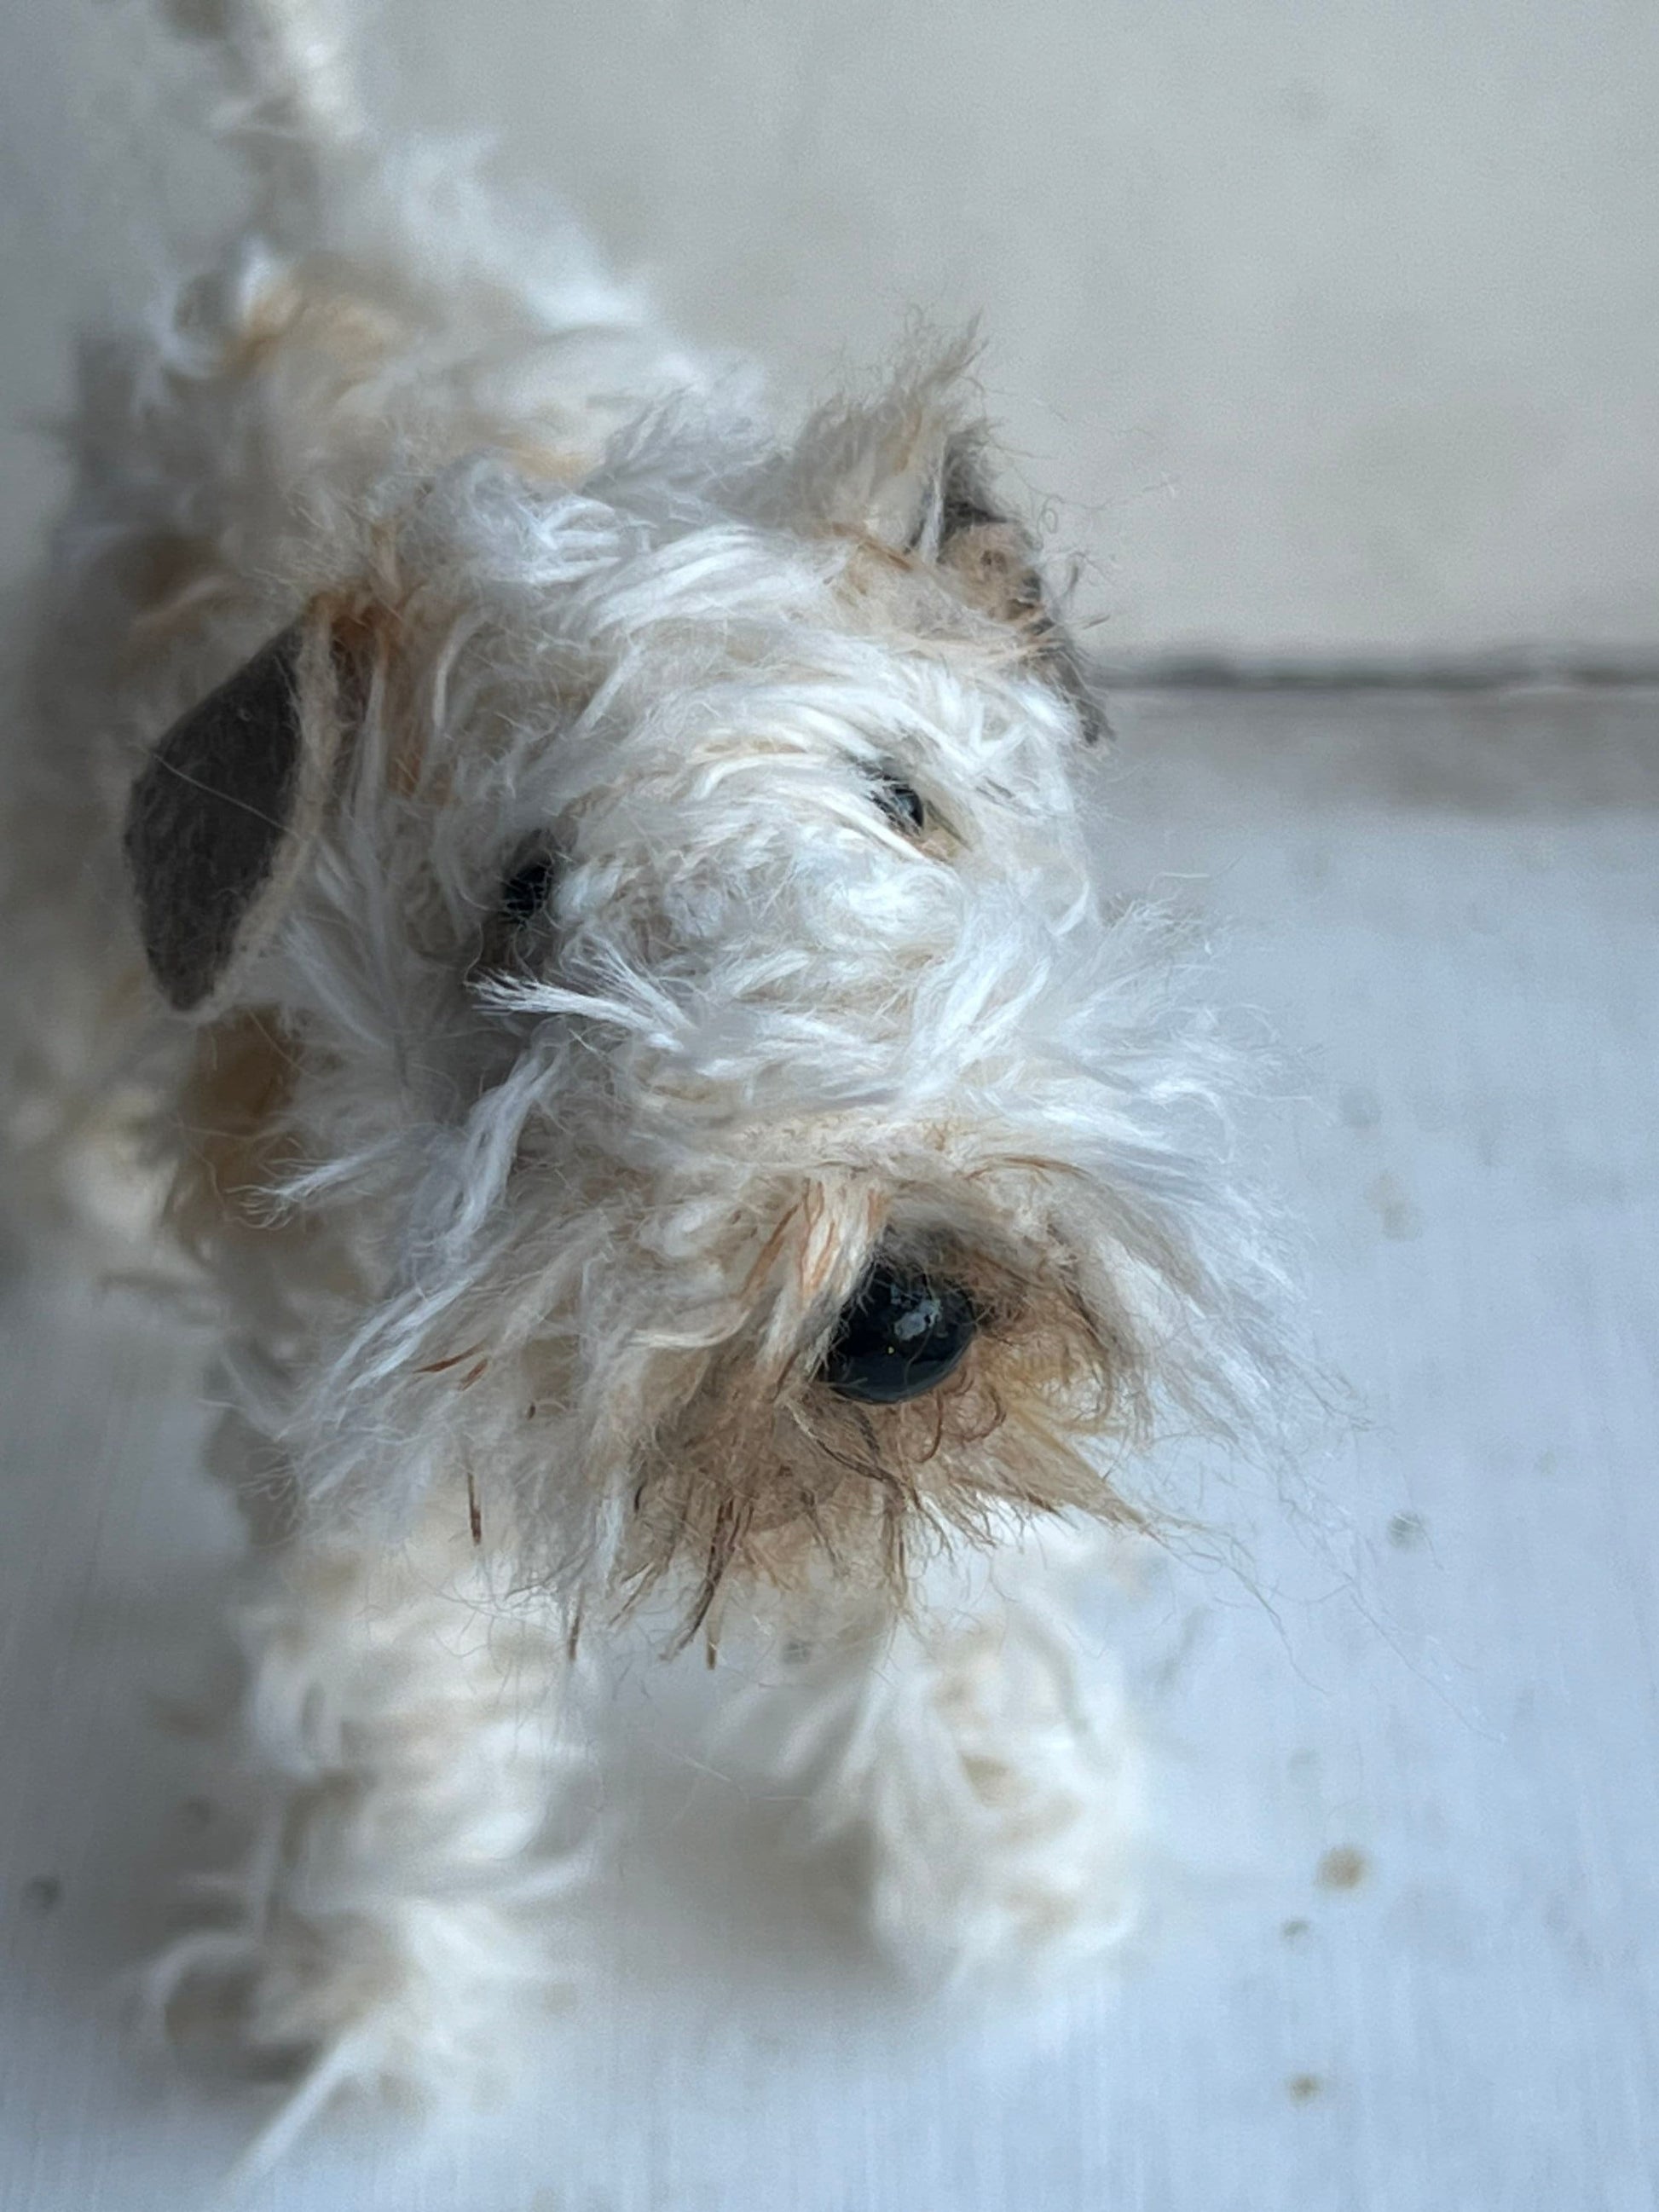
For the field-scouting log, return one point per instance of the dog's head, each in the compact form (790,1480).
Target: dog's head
(725,1126)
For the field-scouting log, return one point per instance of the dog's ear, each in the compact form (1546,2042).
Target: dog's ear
(907,475)
(991,560)
(227,810)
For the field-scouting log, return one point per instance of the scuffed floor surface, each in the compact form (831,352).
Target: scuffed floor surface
(1404,1954)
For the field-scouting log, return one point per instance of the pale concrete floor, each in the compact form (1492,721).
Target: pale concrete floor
(1450,910)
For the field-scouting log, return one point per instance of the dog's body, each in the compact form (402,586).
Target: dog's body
(642,1072)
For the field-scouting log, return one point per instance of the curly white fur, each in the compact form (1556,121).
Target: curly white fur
(526,1231)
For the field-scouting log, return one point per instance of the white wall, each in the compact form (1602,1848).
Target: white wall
(1329,327)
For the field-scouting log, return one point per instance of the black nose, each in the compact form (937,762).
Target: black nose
(900,1334)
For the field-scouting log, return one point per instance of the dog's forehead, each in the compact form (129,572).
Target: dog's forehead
(710,695)
(708,616)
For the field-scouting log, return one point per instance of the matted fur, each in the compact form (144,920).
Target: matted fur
(529,1229)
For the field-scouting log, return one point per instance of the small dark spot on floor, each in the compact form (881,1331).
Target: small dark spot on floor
(1302,2089)
(1343,1866)
(196,1813)
(1311,869)
(1401,1219)
(1294,1930)
(1407,1532)
(1303,103)
(45,1894)
(1359,1107)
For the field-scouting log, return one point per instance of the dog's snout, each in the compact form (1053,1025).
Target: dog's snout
(901,1332)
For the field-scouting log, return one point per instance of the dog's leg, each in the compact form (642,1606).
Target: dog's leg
(405,1750)
(978,1778)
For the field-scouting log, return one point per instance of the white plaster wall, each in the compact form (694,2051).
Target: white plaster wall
(1328,327)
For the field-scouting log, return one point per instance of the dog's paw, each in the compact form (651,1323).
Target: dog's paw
(412,2003)
(386,2001)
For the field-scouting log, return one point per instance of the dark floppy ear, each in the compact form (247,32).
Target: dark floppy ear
(992,562)
(224,814)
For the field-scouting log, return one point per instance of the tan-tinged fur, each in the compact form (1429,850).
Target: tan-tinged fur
(236,1140)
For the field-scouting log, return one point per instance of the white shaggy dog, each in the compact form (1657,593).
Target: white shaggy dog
(604,949)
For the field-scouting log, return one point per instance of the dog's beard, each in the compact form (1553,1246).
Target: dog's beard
(772,1485)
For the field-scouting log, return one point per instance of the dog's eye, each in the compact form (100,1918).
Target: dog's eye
(900,1334)
(901,802)
(524,893)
